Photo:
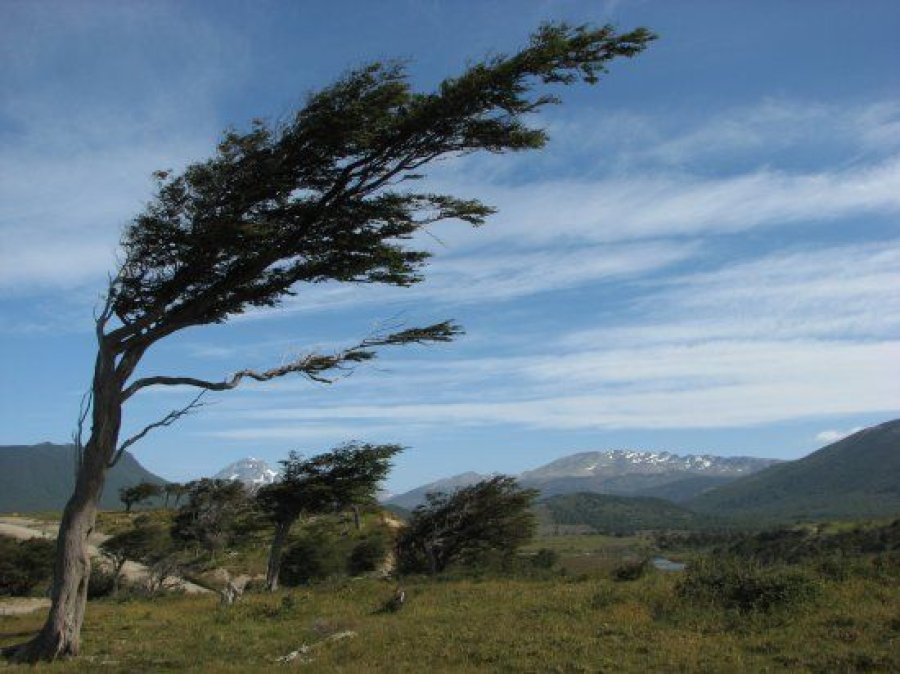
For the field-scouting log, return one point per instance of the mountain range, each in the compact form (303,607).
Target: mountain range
(41,477)
(619,472)
(856,477)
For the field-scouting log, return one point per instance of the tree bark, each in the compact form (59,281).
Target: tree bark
(61,633)
(273,568)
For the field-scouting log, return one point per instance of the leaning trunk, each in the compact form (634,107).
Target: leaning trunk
(273,568)
(61,633)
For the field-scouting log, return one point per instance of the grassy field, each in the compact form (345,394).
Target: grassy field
(570,624)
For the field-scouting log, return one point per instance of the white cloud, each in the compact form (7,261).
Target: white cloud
(845,292)
(829,436)
(786,336)
(622,209)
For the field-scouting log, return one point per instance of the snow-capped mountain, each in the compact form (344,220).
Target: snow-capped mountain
(623,472)
(616,462)
(636,473)
(254,473)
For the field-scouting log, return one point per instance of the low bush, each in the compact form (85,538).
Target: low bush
(545,558)
(102,582)
(628,571)
(367,555)
(312,557)
(24,565)
(747,586)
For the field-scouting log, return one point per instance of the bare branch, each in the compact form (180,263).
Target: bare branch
(167,420)
(315,366)
(84,409)
(106,313)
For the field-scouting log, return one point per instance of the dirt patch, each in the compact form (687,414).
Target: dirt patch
(22,605)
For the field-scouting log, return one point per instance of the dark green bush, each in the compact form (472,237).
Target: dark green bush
(367,555)
(747,586)
(628,571)
(25,564)
(545,558)
(101,583)
(313,557)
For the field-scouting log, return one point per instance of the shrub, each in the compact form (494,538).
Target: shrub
(102,582)
(628,571)
(747,586)
(312,557)
(367,555)
(545,558)
(25,564)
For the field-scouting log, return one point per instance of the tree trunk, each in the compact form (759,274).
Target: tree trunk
(273,567)
(356,519)
(61,633)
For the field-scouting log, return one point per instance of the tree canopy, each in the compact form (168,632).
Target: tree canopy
(493,516)
(348,476)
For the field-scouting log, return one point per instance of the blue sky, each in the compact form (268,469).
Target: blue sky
(706,258)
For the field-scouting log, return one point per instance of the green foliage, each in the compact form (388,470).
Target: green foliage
(103,582)
(314,556)
(747,586)
(545,558)
(136,494)
(315,198)
(142,544)
(630,570)
(24,565)
(212,515)
(800,544)
(623,515)
(368,554)
(470,527)
(346,476)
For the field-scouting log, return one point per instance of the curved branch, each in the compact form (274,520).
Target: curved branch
(314,366)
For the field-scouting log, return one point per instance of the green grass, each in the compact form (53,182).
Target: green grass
(496,625)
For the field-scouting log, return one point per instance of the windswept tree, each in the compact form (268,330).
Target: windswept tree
(137,494)
(210,516)
(346,477)
(490,518)
(328,195)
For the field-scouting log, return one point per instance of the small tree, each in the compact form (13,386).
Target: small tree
(174,489)
(144,544)
(134,495)
(491,517)
(209,516)
(326,196)
(348,476)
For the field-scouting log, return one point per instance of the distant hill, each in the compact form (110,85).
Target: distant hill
(609,514)
(409,500)
(41,477)
(858,476)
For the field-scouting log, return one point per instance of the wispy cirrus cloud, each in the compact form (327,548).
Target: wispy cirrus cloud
(764,341)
